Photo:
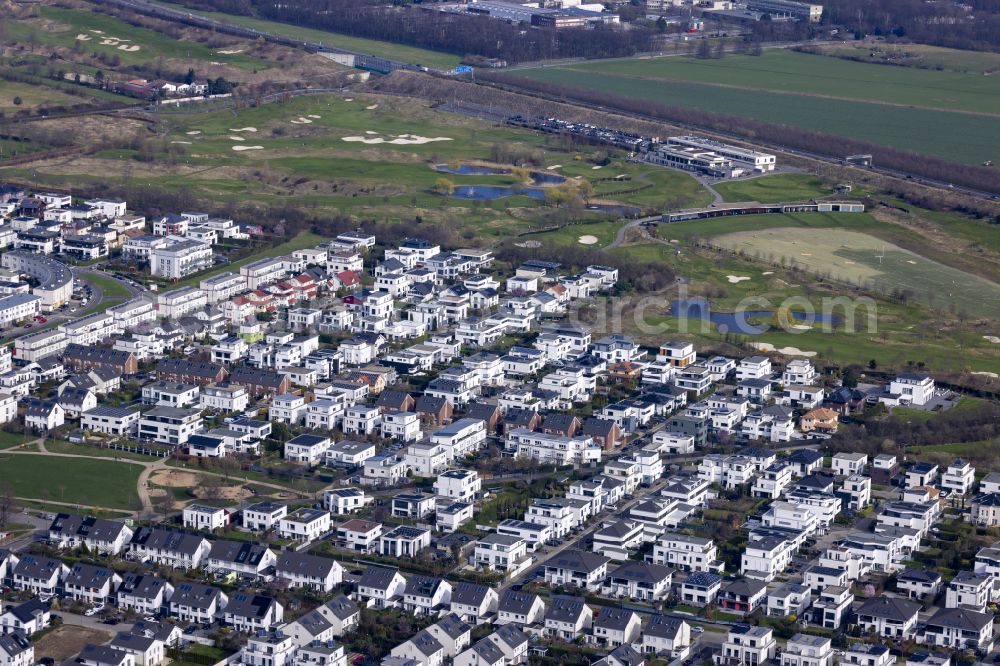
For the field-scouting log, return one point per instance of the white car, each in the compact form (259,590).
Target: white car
(93,611)
(697,630)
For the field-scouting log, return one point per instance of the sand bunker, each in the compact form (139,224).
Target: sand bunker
(130,48)
(349,99)
(370,132)
(241,148)
(372,107)
(992,338)
(237,138)
(910,261)
(734,279)
(230,51)
(193,132)
(807,254)
(300,121)
(595,168)
(768,273)
(83,38)
(314,117)
(243,129)
(587,240)
(787,351)
(184,142)
(97,32)
(554,166)
(234,493)
(401,140)
(174,479)
(983,373)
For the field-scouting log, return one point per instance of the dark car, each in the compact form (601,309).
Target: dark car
(190,630)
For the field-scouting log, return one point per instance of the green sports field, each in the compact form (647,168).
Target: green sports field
(74,480)
(947,114)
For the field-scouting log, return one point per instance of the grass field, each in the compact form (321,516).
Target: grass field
(32,96)
(111,288)
(74,480)
(853,258)
(62,446)
(918,55)
(867,102)
(774,189)
(10,439)
(417,56)
(100,33)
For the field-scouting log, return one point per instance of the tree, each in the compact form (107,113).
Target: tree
(8,504)
(444,186)
(704,51)
(17,101)
(189,77)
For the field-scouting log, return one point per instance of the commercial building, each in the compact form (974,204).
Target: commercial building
(747,157)
(804,11)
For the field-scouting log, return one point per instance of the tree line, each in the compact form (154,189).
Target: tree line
(456,33)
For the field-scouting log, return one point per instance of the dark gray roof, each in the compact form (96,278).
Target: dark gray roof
(626,654)
(517,603)
(126,640)
(488,651)
(452,626)
(510,635)
(249,605)
(166,540)
(377,577)
(578,560)
(14,643)
(88,576)
(238,552)
(918,575)
(37,567)
(426,643)
(304,564)
(564,609)
(195,595)
(663,627)
(703,579)
(423,586)
(642,572)
(470,594)
(29,609)
(144,586)
(314,623)
(889,608)
(102,654)
(960,618)
(342,607)
(85,527)
(614,619)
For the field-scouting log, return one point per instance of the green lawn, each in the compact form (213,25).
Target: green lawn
(604,232)
(93,29)
(411,54)
(111,288)
(76,480)
(780,188)
(10,439)
(866,102)
(62,446)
